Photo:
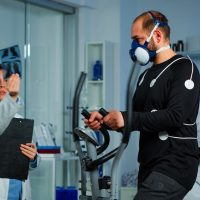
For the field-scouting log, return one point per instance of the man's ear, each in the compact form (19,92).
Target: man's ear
(158,36)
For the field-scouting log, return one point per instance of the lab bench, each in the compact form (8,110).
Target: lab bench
(43,179)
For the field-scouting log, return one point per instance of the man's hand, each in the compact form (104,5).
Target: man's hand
(13,85)
(113,119)
(95,120)
(29,150)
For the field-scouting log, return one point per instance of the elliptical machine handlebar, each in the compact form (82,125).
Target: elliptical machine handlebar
(104,132)
(102,111)
(95,163)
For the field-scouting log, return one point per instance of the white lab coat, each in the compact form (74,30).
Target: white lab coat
(26,189)
(8,109)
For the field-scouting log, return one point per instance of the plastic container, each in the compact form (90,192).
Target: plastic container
(174,47)
(68,193)
(72,193)
(180,45)
(61,193)
(97,71)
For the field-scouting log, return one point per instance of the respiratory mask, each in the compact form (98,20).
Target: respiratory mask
(140,52)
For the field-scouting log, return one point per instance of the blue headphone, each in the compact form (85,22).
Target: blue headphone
(140,52)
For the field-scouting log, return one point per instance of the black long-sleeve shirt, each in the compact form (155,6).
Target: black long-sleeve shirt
(168,107)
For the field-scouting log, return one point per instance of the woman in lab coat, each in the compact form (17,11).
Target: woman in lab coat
(9,90)
(12,189)
(8,105)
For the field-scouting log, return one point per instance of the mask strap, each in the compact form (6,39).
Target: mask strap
(163,49)
(155,20)
(151,34)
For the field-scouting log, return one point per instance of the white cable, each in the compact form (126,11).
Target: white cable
(163,49)
(151,34)
(165,136)
(183,138)
(142,79)
(169,66)
(189,124)
(192,67)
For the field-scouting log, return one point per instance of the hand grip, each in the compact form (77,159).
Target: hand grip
(103,130)
(85,113)
(103,112)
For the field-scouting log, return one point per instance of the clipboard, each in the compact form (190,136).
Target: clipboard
(13,164)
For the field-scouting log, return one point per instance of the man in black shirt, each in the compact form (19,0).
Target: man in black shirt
(166,103)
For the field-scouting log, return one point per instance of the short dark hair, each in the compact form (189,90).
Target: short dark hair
(149,22)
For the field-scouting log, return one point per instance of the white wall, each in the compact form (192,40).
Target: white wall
(100,24)
(44,85)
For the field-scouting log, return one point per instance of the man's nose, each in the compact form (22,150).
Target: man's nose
(1,78)
(2,82)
